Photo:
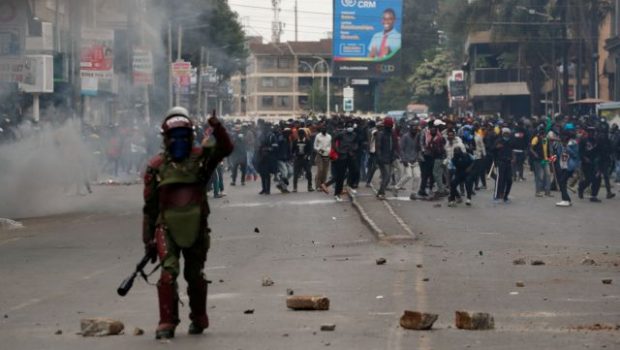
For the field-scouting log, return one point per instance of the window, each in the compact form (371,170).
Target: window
(267,62)
(267,101)
(266,82)
(284,62)
(284,101)
(284,82)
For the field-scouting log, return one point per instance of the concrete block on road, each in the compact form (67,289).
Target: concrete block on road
(328,327)
(418,321)
(474,321)
(99,327)
(308,302)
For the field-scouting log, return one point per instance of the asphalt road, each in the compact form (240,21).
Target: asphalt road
(66,266)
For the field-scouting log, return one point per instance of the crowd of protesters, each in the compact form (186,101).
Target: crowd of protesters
(436,157)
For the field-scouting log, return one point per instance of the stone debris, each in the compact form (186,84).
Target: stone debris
(256,230)
(99,327)
(267,282)
(58,332)
(8,224)
(588,262)
(381,261)
(426,279)
(537,262)
(519,261)
(328,327)
(289,291)
(520,284)
(597,327)
(607,281)
(249,312)
(418,321)
(474,321)
(307,302)
(419,266)
(138,331)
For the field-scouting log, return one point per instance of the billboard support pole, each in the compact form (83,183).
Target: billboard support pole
(35,107)
(377,95)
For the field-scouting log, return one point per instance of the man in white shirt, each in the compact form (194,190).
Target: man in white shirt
(322,146)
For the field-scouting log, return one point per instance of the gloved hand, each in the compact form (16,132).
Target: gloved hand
(150,249)
(213,121)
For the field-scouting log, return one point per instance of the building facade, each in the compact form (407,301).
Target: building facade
(284,80)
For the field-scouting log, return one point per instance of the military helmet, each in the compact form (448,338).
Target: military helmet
(176,117)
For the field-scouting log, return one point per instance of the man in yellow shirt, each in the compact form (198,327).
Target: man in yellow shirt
(539,151)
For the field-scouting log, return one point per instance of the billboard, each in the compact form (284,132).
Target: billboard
(97,53)
(367,38)
(142,67)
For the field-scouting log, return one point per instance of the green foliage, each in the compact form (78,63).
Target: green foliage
(429,81)
(394,95)
(419,32)
(318,97)
(208,23)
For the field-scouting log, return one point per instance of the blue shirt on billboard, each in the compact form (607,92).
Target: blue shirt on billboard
(384,43)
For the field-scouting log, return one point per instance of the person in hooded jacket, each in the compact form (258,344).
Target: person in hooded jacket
(387,151)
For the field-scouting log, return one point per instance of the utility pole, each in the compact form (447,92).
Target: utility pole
(296,38)
(565,76)
(179,47)
(199,80)
(276,25)
(170,100)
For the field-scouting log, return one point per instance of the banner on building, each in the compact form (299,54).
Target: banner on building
(97,54)
(39,74)
(366,39)
(13,70)
(182,73)
(142,67)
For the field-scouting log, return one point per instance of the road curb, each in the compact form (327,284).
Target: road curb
(372,226)
(399,220)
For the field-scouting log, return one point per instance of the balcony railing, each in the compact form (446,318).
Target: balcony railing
(497,75)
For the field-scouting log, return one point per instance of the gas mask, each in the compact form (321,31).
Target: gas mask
(180,143)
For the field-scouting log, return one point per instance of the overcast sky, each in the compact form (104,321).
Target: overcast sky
(314,18)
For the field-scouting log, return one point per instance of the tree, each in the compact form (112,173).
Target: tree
(545,31)
(206,23)
(429,81)
(395,95)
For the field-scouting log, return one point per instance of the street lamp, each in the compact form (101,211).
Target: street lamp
(322,60)
(313,70)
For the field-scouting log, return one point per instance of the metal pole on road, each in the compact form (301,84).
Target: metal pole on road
(329,75)
(179,47)
(170,101)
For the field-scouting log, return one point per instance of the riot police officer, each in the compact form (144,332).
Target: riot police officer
(175,215)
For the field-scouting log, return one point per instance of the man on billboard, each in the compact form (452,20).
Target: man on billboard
(387,41)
